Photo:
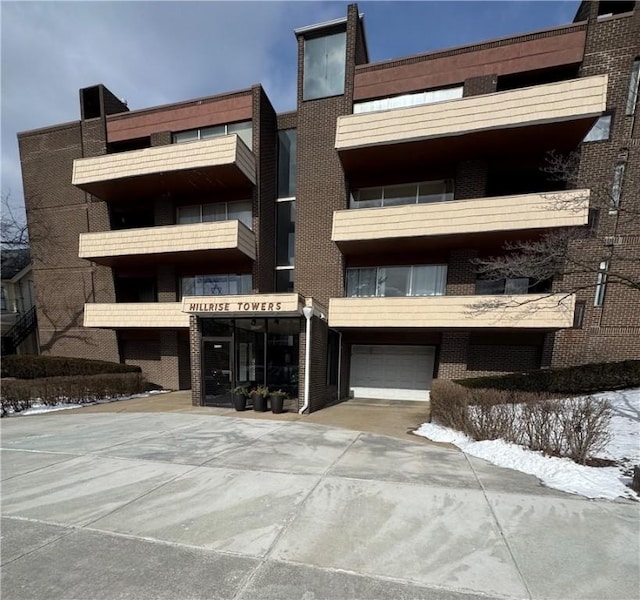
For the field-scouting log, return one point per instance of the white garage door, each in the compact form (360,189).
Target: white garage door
(391,372)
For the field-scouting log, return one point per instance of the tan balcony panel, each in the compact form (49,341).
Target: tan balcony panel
(222,240)
(554,115)
(531,311)
(357,229)
(135,315)
(218,163)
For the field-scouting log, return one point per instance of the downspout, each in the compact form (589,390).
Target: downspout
(308,313)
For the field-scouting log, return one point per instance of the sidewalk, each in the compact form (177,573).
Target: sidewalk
(393,418)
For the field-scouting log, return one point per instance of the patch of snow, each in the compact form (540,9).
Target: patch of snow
(38,408)
(562,473)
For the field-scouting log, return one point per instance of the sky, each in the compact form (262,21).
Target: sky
(151,52)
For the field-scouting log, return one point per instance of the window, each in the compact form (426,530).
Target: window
(324,66)
(244,130)
(578,314)
(632,99)
(616,187)
(511,286)
(406,100)
(414,280)
(218,211)
(409,193)
(287,144)
(285,279)
(215,285)
(600,130)
(609,8)
(285,233)
(601,283)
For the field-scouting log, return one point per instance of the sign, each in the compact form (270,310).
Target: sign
(217,307)
(253,304)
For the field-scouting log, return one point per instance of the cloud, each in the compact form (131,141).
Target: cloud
(154,53)
(149,53)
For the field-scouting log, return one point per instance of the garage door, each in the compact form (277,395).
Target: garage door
(391,372)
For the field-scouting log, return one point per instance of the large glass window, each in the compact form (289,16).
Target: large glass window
(616,186)
(634,84)
(286,230)
(217,211)
(412,280)
(287,145)
(285,279)
(600,130)
(216,285)
(513,285)
(406,100)
(409,193)
(324,66)
(601,283)
(244,130)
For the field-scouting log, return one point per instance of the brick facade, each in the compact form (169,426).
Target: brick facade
(59,212)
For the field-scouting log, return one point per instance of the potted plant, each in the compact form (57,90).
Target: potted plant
(259,396)
(277,401)
(240,395)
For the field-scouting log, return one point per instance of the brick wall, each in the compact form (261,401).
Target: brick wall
(265,140)
(484,84)
(57,213)
(319,394)
(609,332)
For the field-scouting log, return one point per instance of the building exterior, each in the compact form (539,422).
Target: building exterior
(18,313)
(329,251)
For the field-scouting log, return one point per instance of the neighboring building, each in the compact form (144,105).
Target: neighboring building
(18,316)
(195,239)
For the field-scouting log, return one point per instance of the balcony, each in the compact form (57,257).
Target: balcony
(531,311)
(135,315)
(219,163)
(554,115)
(219,240)
(411,226)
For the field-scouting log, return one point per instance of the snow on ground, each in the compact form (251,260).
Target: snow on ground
(562,473)
(37,408)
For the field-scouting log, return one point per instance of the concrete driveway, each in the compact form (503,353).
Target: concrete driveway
(172,505)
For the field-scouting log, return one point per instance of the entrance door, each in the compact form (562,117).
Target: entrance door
(216,370)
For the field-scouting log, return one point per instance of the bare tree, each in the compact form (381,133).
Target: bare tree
(573,258)
(14,233)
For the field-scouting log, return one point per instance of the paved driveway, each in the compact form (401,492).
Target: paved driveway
(171,505)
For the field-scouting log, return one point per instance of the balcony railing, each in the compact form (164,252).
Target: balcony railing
(530,311)
(135,315)
(231,237)
(196,166)
(461,217)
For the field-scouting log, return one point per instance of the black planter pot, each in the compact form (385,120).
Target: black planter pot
(259,403)
(239,402)
(277,403)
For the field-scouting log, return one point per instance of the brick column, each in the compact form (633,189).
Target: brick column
(195,339)
(461,277)
(169,360)
(471,179)
(164,212)
(167,283)
(454,348)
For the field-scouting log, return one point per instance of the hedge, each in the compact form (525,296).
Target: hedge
(28,366)
(576,427)
(20,394)
(583,379)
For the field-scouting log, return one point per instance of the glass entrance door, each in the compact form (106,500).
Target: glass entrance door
(217,370)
